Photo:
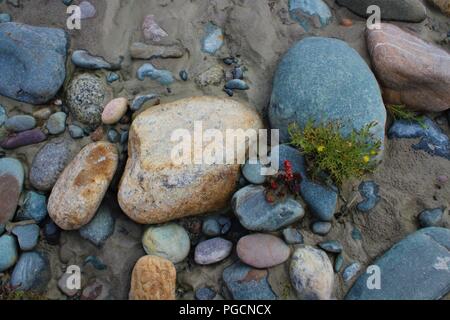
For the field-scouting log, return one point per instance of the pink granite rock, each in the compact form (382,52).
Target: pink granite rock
(411,71)
(114,110)
(262,250)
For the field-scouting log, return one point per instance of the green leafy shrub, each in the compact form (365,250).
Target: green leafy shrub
(399,112)
(339,157)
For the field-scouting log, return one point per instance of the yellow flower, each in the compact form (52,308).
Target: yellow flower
(321,148)
(366,159)
(373,152)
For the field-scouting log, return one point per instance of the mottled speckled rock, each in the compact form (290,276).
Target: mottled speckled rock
(312,274)
(32,64)
(400,10)
(416,268)
(322,80)
(48,163)
(256,214)
(153,188)
(11,184)
(420,80)
(114,110)
(169,241)
(246,283)
(81,187)
(153,278)
(86,97)
(262,250)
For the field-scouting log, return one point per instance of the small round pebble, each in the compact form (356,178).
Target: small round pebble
(169,241)
(113,136)
(338,263)
(56,124)
(212,251)
(431,218)
(216,226)
(262,250)
(76,132)
(184,75)
(20,123)
(252,172)
(351,271)
(112,77)
(114,111)
(321,228)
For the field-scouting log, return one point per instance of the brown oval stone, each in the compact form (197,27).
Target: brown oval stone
(154,188)
(81,187)
(411,71)
(153,278)
(262,250)
(346,22)
(114,110)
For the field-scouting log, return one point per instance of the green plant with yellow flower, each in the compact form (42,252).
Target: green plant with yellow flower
(339,157)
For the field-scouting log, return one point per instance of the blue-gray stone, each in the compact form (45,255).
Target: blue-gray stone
(400,10)
(205,294)
(67,2)
(431,218)
(238,73)
(100,228)
(211,227)
(324,80)
(56,124)
(147,70)
(3,115)
(124,137)
(83,59)
(184,75)
(433,140)
(213,39)
(332,246)
(112,77)
(416,268)
(52,233)
(212,251)
(33,62)
(76,132)
(34,207)
(321,228)
(245,283)
(31,273)
(310,12)
(292,236)
(356,234)
(236,84)
(20,123)
(113,136)
(369,191)
(5,17)
(28,236)
(256,214)
(139,101)
(322,200)
(8,252)
(338,263)
(252,172)
(351,271)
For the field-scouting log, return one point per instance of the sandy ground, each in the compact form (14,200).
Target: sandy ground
(259,32)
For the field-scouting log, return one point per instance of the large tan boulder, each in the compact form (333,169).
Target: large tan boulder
(444,5)
(411,71)
(153,278)
(155,189)
(81,187)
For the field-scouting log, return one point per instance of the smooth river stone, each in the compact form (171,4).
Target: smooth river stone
(262,250)
(11,184)
(212,251)
(154,189)
(23,139)
(312,274)
(153,278)
(255,213)
(411,71)
(81,187)
(170,241)
(114,110)
(416,268)
(48,163)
